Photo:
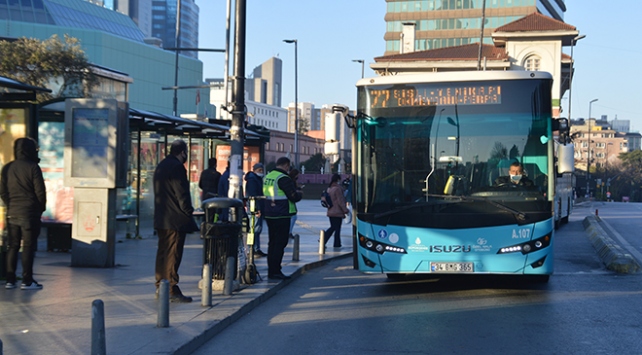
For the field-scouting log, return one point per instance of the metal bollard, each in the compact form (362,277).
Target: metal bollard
(98,346)
(322,243)
(163,305)
(295,248)
(230,273)
(206,293)
(596,212)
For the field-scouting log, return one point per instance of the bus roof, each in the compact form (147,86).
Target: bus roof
(453,77)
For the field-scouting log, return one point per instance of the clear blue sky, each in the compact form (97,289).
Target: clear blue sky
(331,33)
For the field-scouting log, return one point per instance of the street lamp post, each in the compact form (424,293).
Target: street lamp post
(606,169)
(588,162)
(362,65)
(296,108)
(570,78)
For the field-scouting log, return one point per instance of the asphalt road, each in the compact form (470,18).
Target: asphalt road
(584,309)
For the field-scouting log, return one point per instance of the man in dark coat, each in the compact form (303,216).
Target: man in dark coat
(209,180)
(172,217)
(22,189)
(254,188)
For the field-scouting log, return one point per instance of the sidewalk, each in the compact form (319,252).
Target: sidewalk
(57,319)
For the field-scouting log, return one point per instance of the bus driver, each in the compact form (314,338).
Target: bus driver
(515,176)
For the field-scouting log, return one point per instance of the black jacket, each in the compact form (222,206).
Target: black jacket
(254,187)
(505,180)
(209,182)
(22,187)
(172,201)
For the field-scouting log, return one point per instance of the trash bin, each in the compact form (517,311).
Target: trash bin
(221,230)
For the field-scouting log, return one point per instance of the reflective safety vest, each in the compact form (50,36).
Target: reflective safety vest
(277,204)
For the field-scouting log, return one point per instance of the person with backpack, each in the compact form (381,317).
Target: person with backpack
(336,211)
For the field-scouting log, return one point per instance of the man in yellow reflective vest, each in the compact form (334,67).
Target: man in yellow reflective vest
(280,198)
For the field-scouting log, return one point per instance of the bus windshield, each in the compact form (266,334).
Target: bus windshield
(430,154)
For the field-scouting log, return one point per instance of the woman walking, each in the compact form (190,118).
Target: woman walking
(336,212)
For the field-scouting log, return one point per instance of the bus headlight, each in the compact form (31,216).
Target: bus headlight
(379,247)
(527,247)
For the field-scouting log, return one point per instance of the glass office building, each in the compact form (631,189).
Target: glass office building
(447,23)
(164,14)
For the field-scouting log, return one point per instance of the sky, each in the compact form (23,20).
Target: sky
(332,33)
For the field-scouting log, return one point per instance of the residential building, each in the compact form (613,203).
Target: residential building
(306,115)
(432,24)
(596,140)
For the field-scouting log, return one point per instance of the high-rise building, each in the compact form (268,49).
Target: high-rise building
(265,84)
(433,24)
(110,40)
(164,15)
(138,10)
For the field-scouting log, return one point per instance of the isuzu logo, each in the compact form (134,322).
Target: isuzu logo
(450,248)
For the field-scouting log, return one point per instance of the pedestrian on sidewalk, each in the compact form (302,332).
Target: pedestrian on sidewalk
(281,195)
(294,175)
(336,212)
(208,182)
(173,218)
(254,188)
(224,182)
(22,189)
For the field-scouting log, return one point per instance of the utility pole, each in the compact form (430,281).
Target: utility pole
(481,35)
(178,46)
(238,112)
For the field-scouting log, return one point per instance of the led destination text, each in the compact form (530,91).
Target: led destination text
(426,96)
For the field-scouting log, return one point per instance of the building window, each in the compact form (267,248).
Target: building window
(532,63)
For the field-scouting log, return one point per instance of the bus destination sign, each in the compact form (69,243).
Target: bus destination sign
(432,96)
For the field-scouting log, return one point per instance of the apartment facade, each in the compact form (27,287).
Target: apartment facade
(432,24)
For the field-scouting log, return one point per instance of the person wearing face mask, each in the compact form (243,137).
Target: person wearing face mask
(515,177)
(172,217)
(254,188)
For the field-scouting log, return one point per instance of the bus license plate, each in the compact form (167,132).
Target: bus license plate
(451,267)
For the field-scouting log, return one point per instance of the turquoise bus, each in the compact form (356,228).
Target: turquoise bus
(431,159)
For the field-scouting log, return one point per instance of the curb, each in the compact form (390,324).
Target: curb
(215,329)
(612,255)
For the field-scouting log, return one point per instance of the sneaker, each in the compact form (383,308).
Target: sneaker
(10,285)
(259,252)
(32,286)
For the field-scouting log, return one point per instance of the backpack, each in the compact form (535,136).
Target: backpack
(326,201)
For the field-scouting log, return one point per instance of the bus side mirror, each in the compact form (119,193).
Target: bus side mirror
(565,158)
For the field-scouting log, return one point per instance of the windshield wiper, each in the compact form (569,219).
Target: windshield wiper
(447,200)
(521,216)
